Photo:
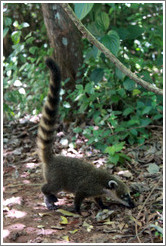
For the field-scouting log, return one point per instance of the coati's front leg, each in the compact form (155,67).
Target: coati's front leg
(49,198)
(100,203)
(88,190)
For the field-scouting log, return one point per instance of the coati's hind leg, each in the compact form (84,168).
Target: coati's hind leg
(49,201)
(79,197)
(49,198)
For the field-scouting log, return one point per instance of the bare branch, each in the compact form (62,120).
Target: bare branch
(107,52)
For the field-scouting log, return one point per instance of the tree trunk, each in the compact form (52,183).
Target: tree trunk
(65,39)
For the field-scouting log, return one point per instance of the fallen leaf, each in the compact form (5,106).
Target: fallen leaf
(64,220)
(158,228)
(66,238)
(121,225)
(125,173)
(104,214)
(57,227)
(160,198)
(88,226)
(135,220)
(40,226)
(153,168)
(67,213)
(44,214)
(74,231)
(108,222)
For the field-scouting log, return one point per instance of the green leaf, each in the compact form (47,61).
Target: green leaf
(103,20)
(131,140)
(146,76)
(119,74)
(120,129)
(133,122)
(134,31)
(82,9)
(122,92)
(112,42)
(30,40)
(89,88)
(157,117)
(136,92)
(77,130)
(145,122)
(16,36)
(66,105)
(146,110)
(134,132)
(124,156)
(28,35)
(97,75)
(8,21)
(80,88)
(127,111)
(129,84)
(18,48)
(23,25)
(123,33)
(33,49)
(78,97)
(111,150)
(95,29)
(114,159)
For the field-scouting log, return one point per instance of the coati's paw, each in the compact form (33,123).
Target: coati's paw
(49,201)
(51,206)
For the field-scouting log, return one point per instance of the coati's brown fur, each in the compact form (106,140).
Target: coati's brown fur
(71,174)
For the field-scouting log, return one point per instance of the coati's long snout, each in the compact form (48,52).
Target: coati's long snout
(71,174)
(119,192)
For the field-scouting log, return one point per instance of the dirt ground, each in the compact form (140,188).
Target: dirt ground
(26,219)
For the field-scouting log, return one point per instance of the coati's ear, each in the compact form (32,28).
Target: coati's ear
(112,184)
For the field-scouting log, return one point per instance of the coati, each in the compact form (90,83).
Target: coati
(71,174)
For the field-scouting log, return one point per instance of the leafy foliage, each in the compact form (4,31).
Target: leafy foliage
(116,110)
(25,82)
(114,155)
(82,9)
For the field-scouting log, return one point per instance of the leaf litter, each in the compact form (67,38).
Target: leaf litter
(23,178)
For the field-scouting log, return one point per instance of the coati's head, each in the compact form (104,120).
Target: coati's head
(119,192)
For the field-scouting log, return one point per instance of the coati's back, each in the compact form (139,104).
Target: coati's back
(70,174)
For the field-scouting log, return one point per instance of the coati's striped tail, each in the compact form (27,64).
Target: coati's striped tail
(49,114)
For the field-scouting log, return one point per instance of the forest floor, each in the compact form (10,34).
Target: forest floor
(26,219)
